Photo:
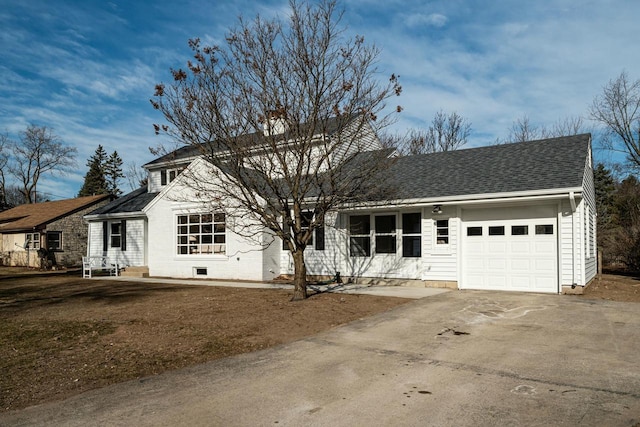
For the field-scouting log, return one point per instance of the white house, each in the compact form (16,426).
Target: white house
(515,217)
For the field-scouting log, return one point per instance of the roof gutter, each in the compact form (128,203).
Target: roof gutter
(471,199)
(100,217)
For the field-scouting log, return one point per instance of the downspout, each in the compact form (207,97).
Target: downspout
(572,201)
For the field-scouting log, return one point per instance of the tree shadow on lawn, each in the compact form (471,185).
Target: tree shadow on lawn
(22,292)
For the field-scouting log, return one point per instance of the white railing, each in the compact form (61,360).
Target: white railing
(102,263)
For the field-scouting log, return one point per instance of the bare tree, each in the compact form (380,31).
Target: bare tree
(522,130)
(447,132)
(281,113)
(618,109)
(39,152)
(135,176)
(4,162)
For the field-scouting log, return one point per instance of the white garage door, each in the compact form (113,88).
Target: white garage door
(513,249)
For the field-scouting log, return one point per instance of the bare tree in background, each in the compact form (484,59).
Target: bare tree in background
(313,91)
(4,162)
(39,152)
(522,130)
(618,109)
(447,132)
(135,175)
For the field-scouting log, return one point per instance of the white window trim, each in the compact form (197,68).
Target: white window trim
(374,234)
(213,255)
(440,248)
(402,235)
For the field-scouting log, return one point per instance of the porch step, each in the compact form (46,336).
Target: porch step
(135,272)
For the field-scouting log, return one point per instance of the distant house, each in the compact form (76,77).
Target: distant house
(52,233)
(515,217)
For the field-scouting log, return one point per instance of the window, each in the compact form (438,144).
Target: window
(54,240)
(519,230)
(442,231)
(32,241)
(116,234)
(359,235)
(168,175)
(474,231)
(306,218)
(544,229)
(201,234)
(317,236)
(385,234)
(411,235)
(496,230)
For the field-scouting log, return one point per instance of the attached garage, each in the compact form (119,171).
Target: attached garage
(510,248)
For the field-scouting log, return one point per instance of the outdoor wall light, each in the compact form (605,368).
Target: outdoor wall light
(437,209)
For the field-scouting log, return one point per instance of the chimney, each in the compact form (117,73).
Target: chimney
(276,122)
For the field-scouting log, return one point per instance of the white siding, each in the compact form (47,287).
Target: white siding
(154,181)
(243,259)
(134,255)
(590,222)
(440,262)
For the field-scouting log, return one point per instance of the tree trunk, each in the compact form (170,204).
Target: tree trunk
(300,277)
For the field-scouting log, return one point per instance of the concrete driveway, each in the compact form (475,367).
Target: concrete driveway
(457,358)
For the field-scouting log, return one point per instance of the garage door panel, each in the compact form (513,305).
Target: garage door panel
(522,282)
(520,264)
(518,260)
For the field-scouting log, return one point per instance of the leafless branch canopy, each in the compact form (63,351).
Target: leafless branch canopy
(285,113)
(447,132)
(618,109)
(39,152)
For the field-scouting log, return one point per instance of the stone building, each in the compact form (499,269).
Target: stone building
(47,234)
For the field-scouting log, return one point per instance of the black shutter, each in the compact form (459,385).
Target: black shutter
(163,177)
(105,236)
(320,238)
(123,238)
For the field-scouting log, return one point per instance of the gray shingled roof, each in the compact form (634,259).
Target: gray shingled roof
(534,165)
(129,203)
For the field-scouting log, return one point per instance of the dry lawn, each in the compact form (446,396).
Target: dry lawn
(61,335)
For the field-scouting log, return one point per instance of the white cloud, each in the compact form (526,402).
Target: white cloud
(433,20)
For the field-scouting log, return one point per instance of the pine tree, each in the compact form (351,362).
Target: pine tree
(113,173)
(95,181)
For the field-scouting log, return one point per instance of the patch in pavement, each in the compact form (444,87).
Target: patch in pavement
(487,311)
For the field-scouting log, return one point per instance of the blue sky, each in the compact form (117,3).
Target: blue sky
(87,68)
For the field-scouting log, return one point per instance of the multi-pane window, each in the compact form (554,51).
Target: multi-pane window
(201,234)
(54,240)
(411,235)
(32,240)
(116,234)
(317,236)
(385,234)
(442,231)
(168,175)
(359,235)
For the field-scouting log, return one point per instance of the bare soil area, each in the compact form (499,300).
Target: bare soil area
(61,335)
(615,287)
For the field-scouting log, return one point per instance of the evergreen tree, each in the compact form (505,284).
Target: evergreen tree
(605,186)
(95,181)
(113,173)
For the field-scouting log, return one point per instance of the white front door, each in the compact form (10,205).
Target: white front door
(513,249)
